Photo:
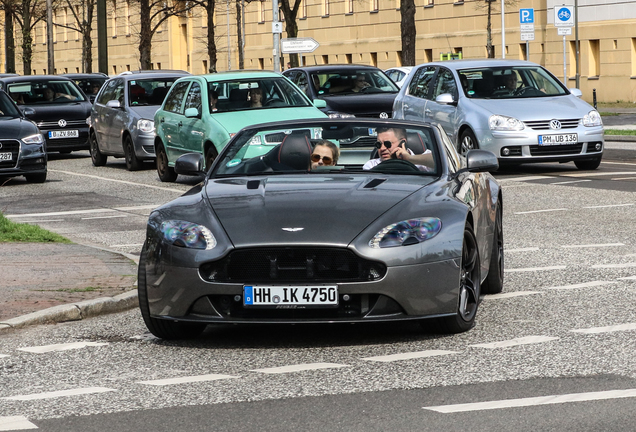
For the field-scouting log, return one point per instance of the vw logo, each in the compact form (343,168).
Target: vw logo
(384,115)
(555,124)
(62,123)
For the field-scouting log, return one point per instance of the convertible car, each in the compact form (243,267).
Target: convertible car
(270,237)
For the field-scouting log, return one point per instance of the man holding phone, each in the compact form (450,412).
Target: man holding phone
(391,144)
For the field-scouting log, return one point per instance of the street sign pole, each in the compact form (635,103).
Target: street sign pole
(526,21)
(565,71)
(503,31)
(276,37)
(576,38)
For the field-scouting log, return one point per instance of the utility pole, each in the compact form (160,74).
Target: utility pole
(102,37)
(503,30)
(576,38)
(276,37)
(49,38)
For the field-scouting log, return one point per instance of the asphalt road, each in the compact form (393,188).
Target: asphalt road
(555,351)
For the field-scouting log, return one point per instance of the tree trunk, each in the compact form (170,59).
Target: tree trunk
(9,41)
(27,40)
(145,35)
(239,36)
(408,32)
(490,49)
(87,41)
(211,36)
(291,27)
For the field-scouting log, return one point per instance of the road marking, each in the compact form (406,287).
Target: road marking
(569,182)
(624,178)
(528,249)
(628,278)
(15,423)
(410,355)
(517,341)
(120,181)
(542,211)
(105,217)
(532,269)
(608,266)
(128,245)
(42,221)
(4,355)
(534,401)
(607,206)
(141,207)
(607,329)
(599,174)
(299,367)
(187,379)
(62,393)
(87,211)
(510,295)
(61,347)
(526,178)
(593,245)
(618,163)
(581,285)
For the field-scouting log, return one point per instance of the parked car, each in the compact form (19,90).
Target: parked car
(267,239)
(201,113)
(536,119)
(57,105)
(90,83)
(122,117)
(348,90)
(399,74)
(22,146)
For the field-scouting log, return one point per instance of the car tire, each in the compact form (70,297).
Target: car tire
(98,158)
(165,172)
(494,281)
(132,162)
(163,329)
(588,164)
(469,289)
(467,141)
(36,178)
(210,157)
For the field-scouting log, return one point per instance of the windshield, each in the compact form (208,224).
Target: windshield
(45,92)
(150,91)
(352,81)
(90,86)
(255,93)
(509,83)
(7,107)
(334,147)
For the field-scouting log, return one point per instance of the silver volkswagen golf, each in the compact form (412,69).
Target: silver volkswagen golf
(516,109)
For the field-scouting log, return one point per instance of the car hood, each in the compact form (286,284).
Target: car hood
(362,105)
(16,128)
(527,109)
(305,209)
(66,111)
(234,121)
(144,112)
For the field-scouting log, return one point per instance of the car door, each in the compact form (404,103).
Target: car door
(192,130)
(100,113)
(415,98)
(117,121)
(444,114)
(171,119)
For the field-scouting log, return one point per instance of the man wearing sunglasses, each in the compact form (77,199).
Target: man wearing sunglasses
(391,144)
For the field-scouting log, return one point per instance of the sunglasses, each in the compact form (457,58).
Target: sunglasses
(387,144)
(326,159)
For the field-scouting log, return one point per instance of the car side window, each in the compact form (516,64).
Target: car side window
(445,84)
(419,86)
(301,82)
(452,156)
(107,92)
(118,92)
(194,97)
(174,100)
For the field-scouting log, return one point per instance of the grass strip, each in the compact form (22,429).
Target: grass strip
(27,233)
(629,132)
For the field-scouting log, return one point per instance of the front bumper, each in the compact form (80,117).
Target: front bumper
(144,145)
(66,144)
(25,159)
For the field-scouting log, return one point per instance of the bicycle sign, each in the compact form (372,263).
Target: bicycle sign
(564,16)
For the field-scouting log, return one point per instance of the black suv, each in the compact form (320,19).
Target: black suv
(57,105)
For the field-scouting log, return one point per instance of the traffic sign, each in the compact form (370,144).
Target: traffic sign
(526,16)
(564,16)
(565,31)
(527,27)
(298,45)
(527,36)
(277,27)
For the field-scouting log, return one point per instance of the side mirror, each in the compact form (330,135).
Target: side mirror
(576,92)
(319,103)
(192,113)
(445,99)
(192,164)
(478,160)
(113,104)
(28,112)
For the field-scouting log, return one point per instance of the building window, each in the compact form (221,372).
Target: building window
(374,59)
(429,3)
(113,20)
(303,9)
(633,57)
(349,6)
(572,60)
(375,5)
(349,58)
(428,55)
(204,63)
(261,11)
(261,64)
(325,59)
(398,58)
(64,23)
(594,58)
(523,55)
(325,7)
(127,17)
(398,4)
(114,70)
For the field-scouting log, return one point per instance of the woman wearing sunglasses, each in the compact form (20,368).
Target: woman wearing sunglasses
(325,153)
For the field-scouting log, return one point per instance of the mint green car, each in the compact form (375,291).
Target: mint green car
(201,113)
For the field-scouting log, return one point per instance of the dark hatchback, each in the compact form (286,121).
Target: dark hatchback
(349,90)
(57,105)
(22,147)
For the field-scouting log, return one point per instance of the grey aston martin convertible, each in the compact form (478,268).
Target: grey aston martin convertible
(326,221)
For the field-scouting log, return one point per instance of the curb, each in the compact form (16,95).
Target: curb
(622,138)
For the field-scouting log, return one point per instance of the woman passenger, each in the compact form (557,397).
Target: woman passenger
(325,153)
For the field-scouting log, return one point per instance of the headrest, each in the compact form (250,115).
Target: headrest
(415,142)
(295,151)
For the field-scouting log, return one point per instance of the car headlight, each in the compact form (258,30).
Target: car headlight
(88,121)
(33,139)
(593,118)
(145,125)
(504,123)
(188,235)
(336,114)
(407,232)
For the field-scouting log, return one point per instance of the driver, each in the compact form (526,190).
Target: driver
(359,83)
(391,144)
(510,83)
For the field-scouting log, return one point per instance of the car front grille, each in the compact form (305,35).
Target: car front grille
(67,142)
(545,124)
(359,142)
(12,146)
(374,114)
(556,150)
(277,138)
(55,125)
(292,264)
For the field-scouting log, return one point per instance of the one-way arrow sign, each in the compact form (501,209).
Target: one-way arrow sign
(298,45)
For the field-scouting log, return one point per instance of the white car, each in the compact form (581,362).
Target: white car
(516,109)
(399,74)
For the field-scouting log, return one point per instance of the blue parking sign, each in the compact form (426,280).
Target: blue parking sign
(526,16)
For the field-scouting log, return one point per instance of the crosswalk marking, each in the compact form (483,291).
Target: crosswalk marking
(299,367)
(517,341)
(4,355)
(609,205)
(593,245)
(410,355)
(61,393)
(187,379)
(533,269)
(609,266)
(528,249)
(61,347)
(118,181)
(14,423)
(510,295)
(541,211)
(607,329)
(534,401)
(581,285)
(569,182)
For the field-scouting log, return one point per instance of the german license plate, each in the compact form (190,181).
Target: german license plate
(558,139)
(6,156)
(64,134)
(281,296)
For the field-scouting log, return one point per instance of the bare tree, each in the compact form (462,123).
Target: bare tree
(487,5)
(9,42)
(28,13)
(210,40)
(408,32)
(83,12)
